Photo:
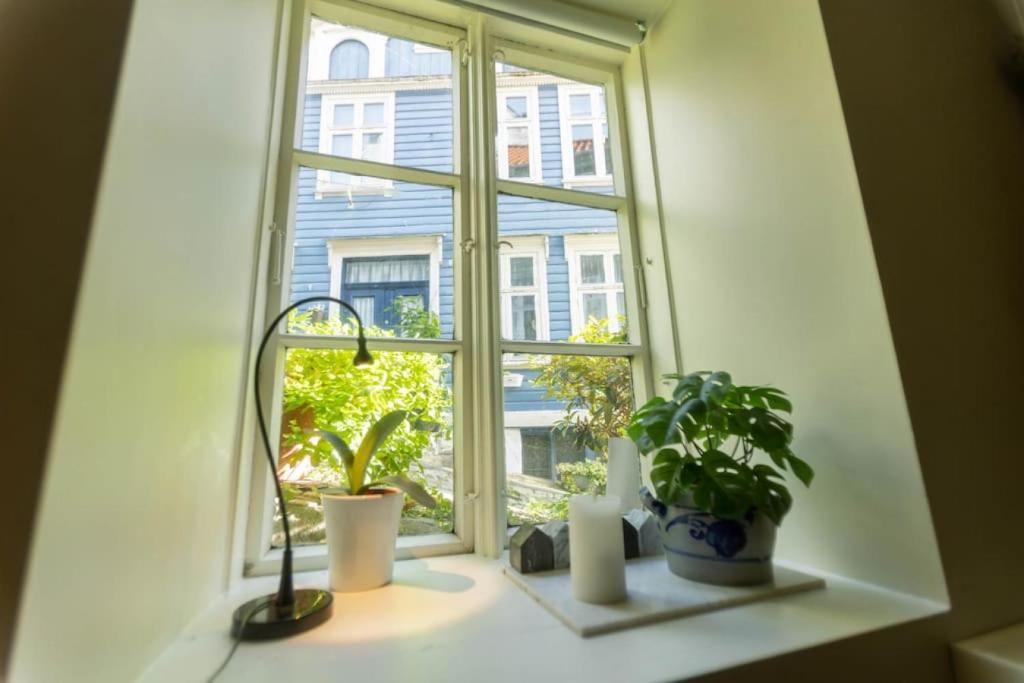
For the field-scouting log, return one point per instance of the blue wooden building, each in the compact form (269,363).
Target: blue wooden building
(383,246)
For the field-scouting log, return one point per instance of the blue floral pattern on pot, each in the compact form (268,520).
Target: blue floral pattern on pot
(702,547)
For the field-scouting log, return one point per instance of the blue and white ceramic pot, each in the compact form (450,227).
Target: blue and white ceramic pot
(705,548)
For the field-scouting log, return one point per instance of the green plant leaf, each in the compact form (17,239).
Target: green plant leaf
(800,468)
(340,447)
(375,436)
(715,387)
(414,490)
(664,475)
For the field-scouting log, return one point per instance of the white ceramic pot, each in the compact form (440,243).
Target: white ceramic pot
(361,535)
(705,548)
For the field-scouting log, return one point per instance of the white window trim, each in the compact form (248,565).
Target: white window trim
(532,124)
(607,245)
(362,247)
(569,178)
(536,247)
(364,184)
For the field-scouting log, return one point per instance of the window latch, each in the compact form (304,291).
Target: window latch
(468,245)
(464,52)
(278,253)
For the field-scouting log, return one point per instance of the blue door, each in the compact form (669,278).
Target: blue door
(381,287)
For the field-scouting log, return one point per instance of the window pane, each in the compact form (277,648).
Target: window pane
(358,236)
(364,308)
(373,147)
(617,265)
(620,303)
(373,113)
(515,107)
(579,105)
(557,233)
(344,63)
(521,271)
(592,269)
(518,152)
(524,318)
(607,149)
(344,115)
(595,306)
(583,149)
(342,145)
(559,413)
(323,391)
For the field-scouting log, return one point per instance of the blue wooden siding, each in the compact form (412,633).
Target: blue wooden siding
(423,139)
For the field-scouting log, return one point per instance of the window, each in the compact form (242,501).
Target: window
(357,127)
(596,280)
(524,296)
(469,275)
(518,140)
(586,147)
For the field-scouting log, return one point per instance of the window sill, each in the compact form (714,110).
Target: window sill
(458,618)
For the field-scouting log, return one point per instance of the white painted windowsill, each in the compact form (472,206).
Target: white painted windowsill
(457,618)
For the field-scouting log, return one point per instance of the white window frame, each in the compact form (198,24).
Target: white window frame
(476,346)
(341,248)
(605,245)
(532,125)
(325,186)
(536,247)
(602,176)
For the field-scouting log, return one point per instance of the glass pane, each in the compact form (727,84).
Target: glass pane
(617,266)
(521,271)
(341,145)
(607,149)
(515,107)
(592,269)
(579,105)
(595,307)
(555,233)
(364,309)
(344,63)
(359,236)
(323,391)
(620,302)
(559,413)
(373,113)
(518,152)
(524,318)
(344,115)
(373,147)
(583,149)
(566,152)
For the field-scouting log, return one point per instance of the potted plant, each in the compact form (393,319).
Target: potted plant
(362,519)
(717,507)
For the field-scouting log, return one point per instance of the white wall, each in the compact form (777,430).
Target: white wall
(133,531)
(773,275)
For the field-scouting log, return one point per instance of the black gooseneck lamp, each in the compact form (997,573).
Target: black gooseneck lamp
(288,611)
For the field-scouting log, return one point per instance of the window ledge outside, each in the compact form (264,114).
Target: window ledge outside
(457,618)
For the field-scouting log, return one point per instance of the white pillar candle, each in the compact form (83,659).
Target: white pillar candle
(597,559)
(624,472)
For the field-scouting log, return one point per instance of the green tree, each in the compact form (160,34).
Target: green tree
(596,390)
(322,390)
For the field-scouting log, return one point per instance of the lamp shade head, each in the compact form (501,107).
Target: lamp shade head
(362,357)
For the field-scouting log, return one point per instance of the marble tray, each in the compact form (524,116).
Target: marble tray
(655,594)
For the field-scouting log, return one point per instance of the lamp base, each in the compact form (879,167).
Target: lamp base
(259,618)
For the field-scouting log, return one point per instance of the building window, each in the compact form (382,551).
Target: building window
(586,148)
(595,280)
(387,279)
(356,127)
(518,135)
(523,273)
(350,60)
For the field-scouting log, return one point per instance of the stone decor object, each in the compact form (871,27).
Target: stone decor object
(640,533)
(559,534)
(531,550)
(543,548)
